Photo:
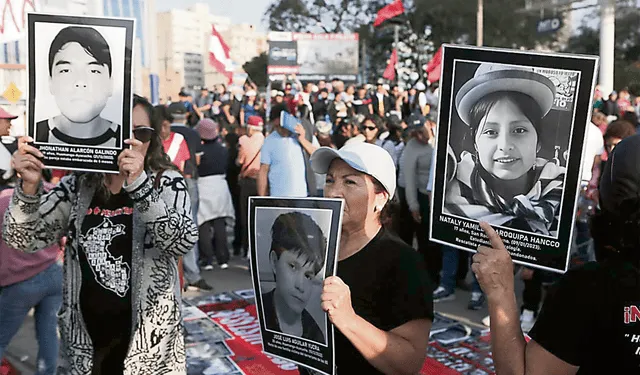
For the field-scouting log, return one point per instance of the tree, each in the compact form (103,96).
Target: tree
(256,68)
(627,47)
(330,16)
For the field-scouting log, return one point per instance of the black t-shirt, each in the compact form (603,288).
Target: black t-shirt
(214,159)
(587,320)
(310,328)
(105,295)
(195,147)
(389,287)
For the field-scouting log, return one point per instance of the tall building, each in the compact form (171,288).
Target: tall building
(145,72)
(183,47)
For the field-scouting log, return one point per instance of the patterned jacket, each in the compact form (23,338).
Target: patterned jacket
(162,231)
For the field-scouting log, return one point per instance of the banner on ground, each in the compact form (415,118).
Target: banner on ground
(79,110)
(313,57)
(511,130)
(294,247)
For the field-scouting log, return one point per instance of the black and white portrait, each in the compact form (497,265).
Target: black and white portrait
(509,145)
(79,81)
(291,261)
(510,139)
(293,249)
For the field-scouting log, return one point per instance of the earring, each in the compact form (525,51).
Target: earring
(534,166)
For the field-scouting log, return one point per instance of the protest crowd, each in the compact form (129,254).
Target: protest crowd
(227,144)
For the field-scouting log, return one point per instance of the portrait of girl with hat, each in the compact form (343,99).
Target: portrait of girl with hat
(501,177)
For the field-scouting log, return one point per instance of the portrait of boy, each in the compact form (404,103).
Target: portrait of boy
(80,79)
(297,256)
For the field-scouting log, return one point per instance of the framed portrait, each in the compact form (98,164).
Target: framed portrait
(511,130)
(80,90)
(293,245)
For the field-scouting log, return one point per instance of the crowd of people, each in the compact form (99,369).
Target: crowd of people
(193,164)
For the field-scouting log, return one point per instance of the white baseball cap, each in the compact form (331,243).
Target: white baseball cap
(363,157)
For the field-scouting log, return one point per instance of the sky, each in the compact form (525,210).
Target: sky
(240,11)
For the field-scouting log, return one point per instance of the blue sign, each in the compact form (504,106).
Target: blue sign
(549,25)
(155,88)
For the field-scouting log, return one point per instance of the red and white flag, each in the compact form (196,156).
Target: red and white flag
(388,12)
(434,67)
(219,55)
(390,71)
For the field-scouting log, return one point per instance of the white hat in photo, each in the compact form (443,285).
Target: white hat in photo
(363,157)
(251,93)
(490,78)
(420,86)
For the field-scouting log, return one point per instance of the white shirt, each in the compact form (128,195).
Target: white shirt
(594,146)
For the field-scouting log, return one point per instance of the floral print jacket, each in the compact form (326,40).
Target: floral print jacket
(162,231)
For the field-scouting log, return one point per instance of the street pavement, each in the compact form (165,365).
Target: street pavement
(23,349)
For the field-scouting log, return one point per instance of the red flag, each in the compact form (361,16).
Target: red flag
(388,12)
(219,55)
(434,67)
(390,71)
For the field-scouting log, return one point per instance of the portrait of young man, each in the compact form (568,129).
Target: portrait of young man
(297,257)
(80,70)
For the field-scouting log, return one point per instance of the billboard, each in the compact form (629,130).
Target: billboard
(313,57)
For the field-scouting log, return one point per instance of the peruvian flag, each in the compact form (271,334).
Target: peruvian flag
(434,67)
(219,55)
(388,12)
(390,71)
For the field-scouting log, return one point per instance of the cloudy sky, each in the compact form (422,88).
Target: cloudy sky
(240,11)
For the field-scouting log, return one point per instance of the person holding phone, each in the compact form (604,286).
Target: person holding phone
(285,170)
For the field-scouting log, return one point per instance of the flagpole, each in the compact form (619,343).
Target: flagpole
(396,40)
(479,24)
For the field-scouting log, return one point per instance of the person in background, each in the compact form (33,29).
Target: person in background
(125,235)
(284,165)
(610,106)
(415,164)
(8,144)
(174,144)
(323,134)
(352,132)
(321,105)
(382,103)
(380,300)
(603,295)
(393,143)
(204,103)
(624,102)
(362,102)
(372,127)
(616,132)
(249,147)
(216,206)
(248,107)
(190,173)
(30,281)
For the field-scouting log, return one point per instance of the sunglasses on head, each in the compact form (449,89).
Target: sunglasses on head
(143,133)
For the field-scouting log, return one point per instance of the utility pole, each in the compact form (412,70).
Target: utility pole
(479,23)
(607,44)
(396,40)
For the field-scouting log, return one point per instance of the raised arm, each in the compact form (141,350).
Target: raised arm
(166,211)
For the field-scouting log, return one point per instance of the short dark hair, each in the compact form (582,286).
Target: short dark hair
(299,233)
(619,129)
(88,38)
(161,114)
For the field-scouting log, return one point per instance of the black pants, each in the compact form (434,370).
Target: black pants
(234,189)
(248,188)
(407,228)
(214,231)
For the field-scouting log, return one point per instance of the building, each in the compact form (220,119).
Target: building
(183,41)
(13,47)
(145,61)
